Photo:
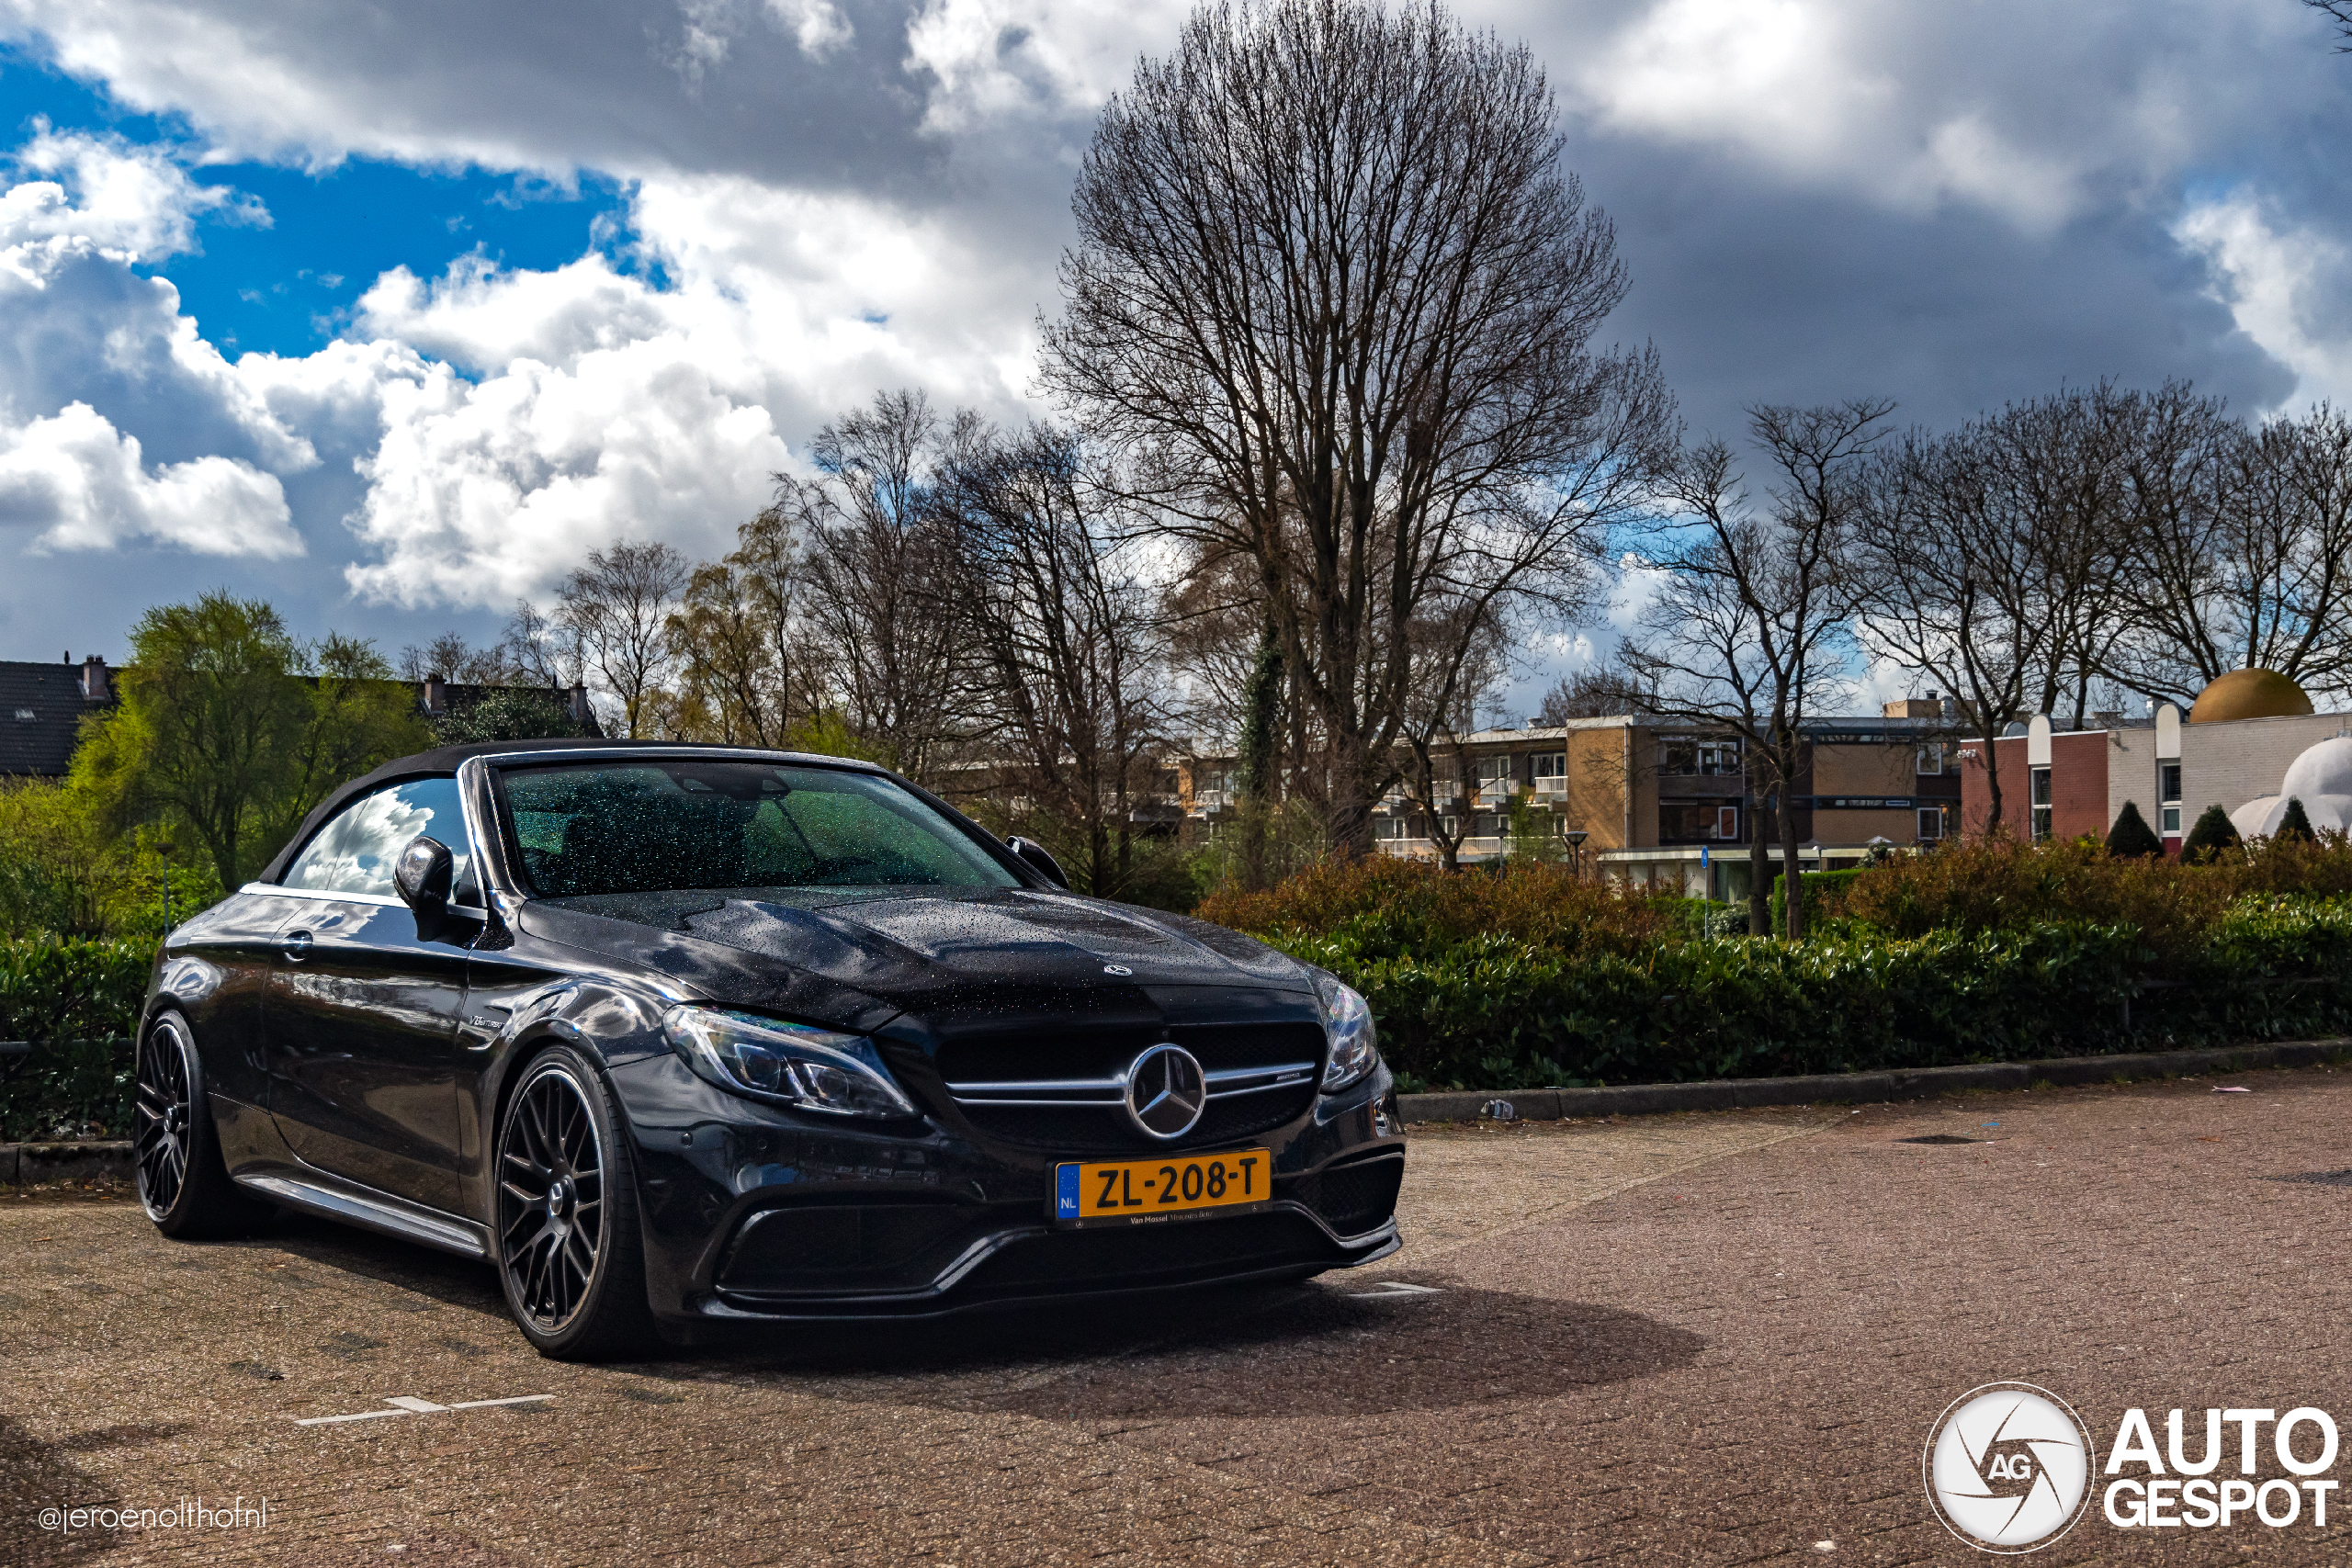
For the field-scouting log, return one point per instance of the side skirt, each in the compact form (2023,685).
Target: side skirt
(317,1193)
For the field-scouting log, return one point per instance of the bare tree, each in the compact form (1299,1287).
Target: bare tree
(618,606)
(2242,546)
(1747,631)
(1335,292)
(1598,693)
(879,584)
(1070,676)
(541,650)
(450,657)
(1439,718)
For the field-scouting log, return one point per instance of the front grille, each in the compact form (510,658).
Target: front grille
(838,1244)
(1068,1096)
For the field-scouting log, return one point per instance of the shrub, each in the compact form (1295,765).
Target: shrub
(2212,834)
(78,1003)
(1824,897)
(2295,822)
(1498,1013)
(1382,907)
(2131,838)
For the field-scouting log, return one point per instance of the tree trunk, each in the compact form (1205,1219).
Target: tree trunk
(1759,871)
(1261,717)
(1790,876)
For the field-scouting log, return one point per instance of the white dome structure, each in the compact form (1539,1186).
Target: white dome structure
(2321,778)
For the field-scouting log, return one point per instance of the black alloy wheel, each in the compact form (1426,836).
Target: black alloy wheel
(160,1118)
(569,1254)
(175,1150)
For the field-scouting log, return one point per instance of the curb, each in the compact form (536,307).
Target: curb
(24,1164)
(1859,1089)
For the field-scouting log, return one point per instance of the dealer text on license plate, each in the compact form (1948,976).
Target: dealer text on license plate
(1176,1184)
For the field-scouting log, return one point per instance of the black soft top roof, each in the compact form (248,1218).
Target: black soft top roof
(442,762)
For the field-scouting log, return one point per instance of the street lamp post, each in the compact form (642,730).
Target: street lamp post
(1576,838)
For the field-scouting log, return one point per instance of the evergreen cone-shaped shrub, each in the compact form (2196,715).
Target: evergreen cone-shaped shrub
(2296,823)
(2131,838)
(2211,835)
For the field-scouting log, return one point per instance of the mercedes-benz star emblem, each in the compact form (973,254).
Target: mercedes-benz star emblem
(1165,1093)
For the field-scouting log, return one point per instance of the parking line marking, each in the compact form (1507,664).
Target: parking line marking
(1393,1288)
(408,1405)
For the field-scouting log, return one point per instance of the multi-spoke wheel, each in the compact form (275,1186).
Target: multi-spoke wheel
(568,1249)
(160,1118)
(176,1152)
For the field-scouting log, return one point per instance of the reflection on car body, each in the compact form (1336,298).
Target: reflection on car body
(677,1037)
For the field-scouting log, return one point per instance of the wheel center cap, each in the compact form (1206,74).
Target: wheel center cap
(560,1197)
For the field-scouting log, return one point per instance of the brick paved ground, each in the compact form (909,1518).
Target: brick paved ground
(1708,1339)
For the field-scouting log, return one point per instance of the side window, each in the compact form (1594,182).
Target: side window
(355,851)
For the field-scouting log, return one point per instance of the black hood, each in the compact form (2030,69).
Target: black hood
(953,960)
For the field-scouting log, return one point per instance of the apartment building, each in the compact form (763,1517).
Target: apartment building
(1637,799)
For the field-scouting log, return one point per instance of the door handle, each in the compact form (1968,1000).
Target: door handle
(296,946)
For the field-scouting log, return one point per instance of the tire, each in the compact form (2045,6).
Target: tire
(569,1256)
(176,1149)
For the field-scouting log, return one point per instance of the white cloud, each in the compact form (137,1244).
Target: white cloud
(817,26)
(133,202)
(2031,112)
(478,494)
(2285,284)
(82,482)
(996,59)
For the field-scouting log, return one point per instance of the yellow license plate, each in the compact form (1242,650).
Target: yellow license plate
(1175,1184)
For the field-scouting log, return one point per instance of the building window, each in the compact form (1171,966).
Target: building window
(1931,824)
(1697,824)
(1551,774)
(1709,759)
(1932,757)
(1493,776)
(1453,825)
(2040,797)
(2168,798)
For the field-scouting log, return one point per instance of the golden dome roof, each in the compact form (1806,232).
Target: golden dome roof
(2249,693)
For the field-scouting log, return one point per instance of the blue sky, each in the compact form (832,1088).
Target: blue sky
(389,313)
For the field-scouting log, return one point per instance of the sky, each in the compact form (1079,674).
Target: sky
(389,313)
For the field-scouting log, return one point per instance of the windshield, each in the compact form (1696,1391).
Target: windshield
(663,826)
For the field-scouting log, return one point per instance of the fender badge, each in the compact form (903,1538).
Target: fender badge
(1116,969)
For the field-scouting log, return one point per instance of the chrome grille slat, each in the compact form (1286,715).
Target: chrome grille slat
(1224,1084)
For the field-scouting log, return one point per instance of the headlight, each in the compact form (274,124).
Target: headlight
(765,1058)
(1347,1023)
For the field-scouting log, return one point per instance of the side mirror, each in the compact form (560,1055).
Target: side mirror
(1035,854)
(422,874)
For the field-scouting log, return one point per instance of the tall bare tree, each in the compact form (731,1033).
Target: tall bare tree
(878,587)
(617,607)
(1336,295)
(2243,547)
(1748,630)
(1070,676)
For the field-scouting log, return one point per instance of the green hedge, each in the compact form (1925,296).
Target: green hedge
(1493,1013)
(78,1003)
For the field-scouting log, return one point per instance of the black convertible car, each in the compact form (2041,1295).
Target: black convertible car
(678,1035)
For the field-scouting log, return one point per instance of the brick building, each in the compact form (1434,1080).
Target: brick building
(2066,784)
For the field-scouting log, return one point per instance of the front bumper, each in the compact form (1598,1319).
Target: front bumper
(759,1213)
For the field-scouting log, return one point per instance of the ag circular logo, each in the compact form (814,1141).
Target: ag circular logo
(2009,1467)
(1166,1091)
